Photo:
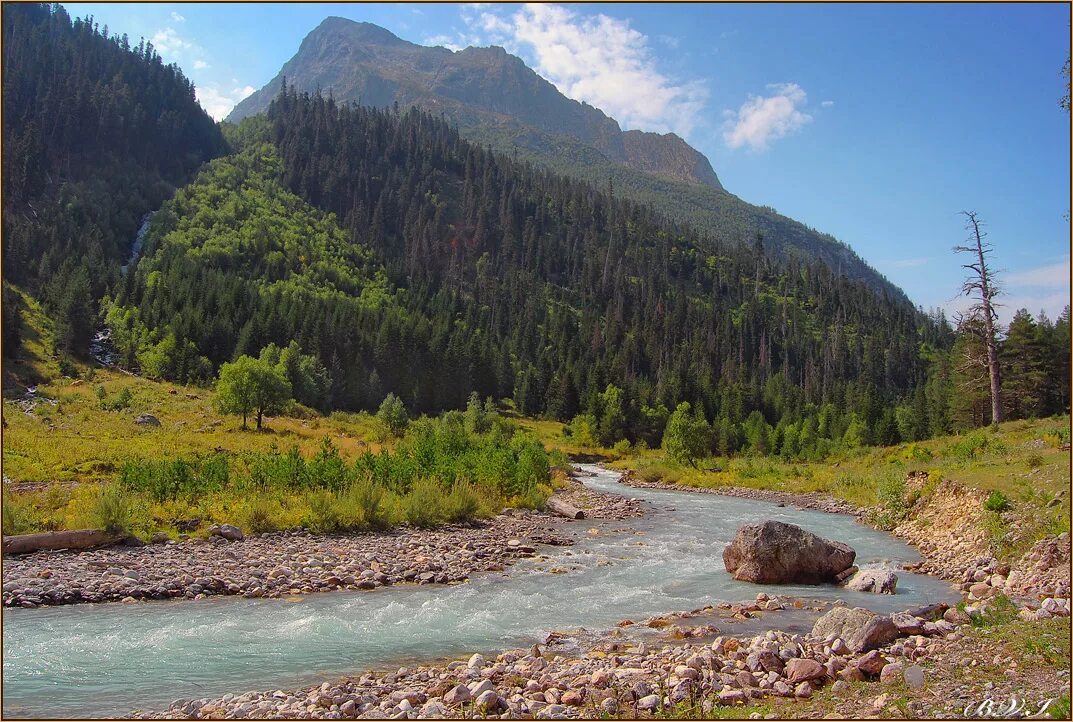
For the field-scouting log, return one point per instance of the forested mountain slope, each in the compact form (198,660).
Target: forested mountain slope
(96,133)
(495,99)
(510,281)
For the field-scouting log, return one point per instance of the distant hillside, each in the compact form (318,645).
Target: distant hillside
(495,98)
(96,134)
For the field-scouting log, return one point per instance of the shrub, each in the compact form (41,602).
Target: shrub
(120,401)
(997,502)
(259,515)
(422,506)
(1000,610)
(112,510)
(622,447)
(324,514)
(364,498)
(462,503)
(1034,461)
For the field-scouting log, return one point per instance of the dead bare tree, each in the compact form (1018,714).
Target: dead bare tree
(981,286)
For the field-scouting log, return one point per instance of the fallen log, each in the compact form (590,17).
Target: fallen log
(52,540)
(562,508)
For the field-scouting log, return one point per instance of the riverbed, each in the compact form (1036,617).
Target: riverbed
(108,659)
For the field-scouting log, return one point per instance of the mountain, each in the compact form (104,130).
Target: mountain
(476,86)
(404,258)
(96,134)
(495,99)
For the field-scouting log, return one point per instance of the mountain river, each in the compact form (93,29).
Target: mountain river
(108,659)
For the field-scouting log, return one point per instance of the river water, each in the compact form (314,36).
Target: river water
(108,659)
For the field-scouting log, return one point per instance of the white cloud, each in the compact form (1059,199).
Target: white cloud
(827,103)
(762,120)
(596,59)
(201,65)
(176,17)
(1045,288)
(1055,275)
(170,45)
(218,103)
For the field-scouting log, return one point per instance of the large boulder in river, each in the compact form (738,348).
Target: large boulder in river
(879,581)
(776,553)
(861,629)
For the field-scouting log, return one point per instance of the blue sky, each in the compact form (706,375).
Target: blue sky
(875,123)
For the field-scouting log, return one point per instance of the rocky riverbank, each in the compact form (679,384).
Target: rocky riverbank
(619,676)
(297,562)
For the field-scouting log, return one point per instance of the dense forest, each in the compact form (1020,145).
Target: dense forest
(96,133)
(367,252)
(508,281)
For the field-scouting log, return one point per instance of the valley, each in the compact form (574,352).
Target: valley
(418,389)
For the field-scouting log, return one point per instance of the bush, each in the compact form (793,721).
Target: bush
(1034,461)
(324,514)
(998,611)
(112,510)
(259,515)
(997,502)
(422,506)
(365,498)
(120,401)
(462,503)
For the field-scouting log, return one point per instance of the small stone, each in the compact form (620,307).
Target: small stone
(457,695)
(891,673)
(476,662)
(803,670)
(803,690)
(914,676)
(840,686)
(872,663)
(649,702)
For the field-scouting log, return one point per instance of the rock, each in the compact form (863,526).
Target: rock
(476,662)
(803,690)
(777,553)
(731,696)
(956,616)
(877,581)
(872,663)
(803,670)
(226,531)
(891,673)
(649,702)
(914,676)
(571,698)
(980,590)
(159,538)
(846,573)
(859,628)
(487,700)
(840,686)
(599,678)
(609,705)
(907,624)
(146,420)
(457,695)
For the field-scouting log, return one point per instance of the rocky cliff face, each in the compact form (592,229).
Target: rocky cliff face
(479,88)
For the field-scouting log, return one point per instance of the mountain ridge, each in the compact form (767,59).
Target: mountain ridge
(474,81)
(496,99)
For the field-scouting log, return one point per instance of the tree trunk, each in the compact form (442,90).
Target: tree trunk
(260,413)
(989,327)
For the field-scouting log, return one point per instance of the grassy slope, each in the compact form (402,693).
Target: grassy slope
(1022,459)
